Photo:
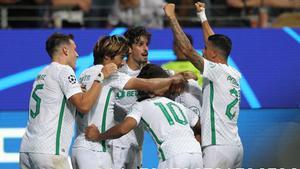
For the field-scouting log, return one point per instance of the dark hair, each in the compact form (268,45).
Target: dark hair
(221,42)
(109,46)
(55,40)
(150,71)
(133,34)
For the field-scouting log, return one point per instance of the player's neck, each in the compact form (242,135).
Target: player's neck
(220,60)
(133,65)
(59,60)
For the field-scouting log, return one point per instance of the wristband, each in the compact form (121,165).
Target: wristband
(202,15)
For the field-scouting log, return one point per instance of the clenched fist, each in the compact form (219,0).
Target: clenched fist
(199,6)
(92,133)
(109,69)
(169,10)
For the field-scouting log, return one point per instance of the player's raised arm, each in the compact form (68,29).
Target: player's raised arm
(207,30)
(93,134)
(183,42)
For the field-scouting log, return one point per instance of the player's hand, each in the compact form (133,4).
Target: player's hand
(83,88)
(109,69)
(199,6)
(169,10)
(188,75)
(178,84)
(92,133)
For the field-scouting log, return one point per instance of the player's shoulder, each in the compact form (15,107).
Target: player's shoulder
(92,70)
(235,72)
(58,68)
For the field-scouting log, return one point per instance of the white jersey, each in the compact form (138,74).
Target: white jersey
(124,100)
(191,97)
(221,101)
(101,113)
(169,124)
(51,116)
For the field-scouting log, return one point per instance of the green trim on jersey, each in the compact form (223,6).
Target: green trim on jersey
(155,139)
(212,115)
(152,133)
(163,158)
(103,125)
(61,115)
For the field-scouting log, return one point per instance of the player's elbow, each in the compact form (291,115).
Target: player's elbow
(122,131)
(83,109)
(187,50)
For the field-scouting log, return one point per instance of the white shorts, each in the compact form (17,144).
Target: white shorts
(129,158)
(83,158)
(223,156)
(183,161)
(43,161)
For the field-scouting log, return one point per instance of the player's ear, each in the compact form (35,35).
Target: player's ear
(107,58)
(65,50)
(214,54)
(129,51)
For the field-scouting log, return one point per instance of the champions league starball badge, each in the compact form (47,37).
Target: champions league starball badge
(72,79)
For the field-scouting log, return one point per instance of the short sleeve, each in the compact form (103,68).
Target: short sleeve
(117,80)
(68,82)
(87,77)
(135,112)
(211,70)
(192,117)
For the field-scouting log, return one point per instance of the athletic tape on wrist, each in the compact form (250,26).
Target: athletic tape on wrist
(202,15)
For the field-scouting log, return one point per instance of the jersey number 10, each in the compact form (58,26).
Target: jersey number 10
(175,111)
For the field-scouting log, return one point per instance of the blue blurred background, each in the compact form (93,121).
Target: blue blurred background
(269,60)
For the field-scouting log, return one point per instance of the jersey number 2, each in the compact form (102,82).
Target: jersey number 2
(38,101)
(229,114)
(172,107)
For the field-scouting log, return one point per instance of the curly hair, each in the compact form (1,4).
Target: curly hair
(150,71)
(133,34)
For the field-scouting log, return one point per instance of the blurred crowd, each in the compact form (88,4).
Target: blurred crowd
(148,13)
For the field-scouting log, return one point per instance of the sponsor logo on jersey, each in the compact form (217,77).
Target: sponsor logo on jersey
(126,93)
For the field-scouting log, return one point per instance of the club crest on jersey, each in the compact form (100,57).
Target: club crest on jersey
(72,79)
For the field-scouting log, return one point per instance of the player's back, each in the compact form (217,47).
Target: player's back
(169,124)
(221,100)
(51,116)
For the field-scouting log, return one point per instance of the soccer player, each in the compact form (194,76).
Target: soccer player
(109,49)
(55,96)
(222,146)
(168,122)
(127,150)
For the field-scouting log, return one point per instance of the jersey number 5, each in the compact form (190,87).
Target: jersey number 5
(38,101)
(172,107)
(229,114)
